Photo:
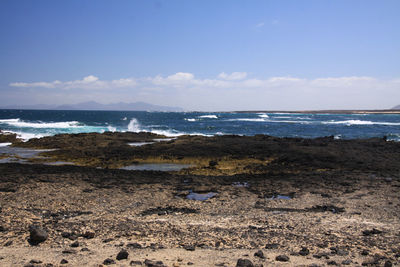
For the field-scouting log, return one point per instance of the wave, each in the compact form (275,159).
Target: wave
(249,119)
(360,122)
(26,136)
(23,124)
(262,115)
(208,117)
(5,144)
(191,120)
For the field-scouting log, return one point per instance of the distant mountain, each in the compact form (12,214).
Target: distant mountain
(91,105)
(396,107)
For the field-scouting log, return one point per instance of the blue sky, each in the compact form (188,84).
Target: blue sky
(210,55)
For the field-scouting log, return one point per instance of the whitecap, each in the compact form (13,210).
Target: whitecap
(23,124)
(360,122)
(5,144)
(134,126)
(209,117)
(263,115)
(191,120)
(249,119)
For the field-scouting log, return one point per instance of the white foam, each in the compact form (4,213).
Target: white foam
(111,129)
(191,120)
(125,118)
(5,144)
(134,126)
(262,115)
(249,119)
(26,136)
(360,122)
(209,117)
(23,124)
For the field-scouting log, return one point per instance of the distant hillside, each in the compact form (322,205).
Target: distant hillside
(91,105)
(396,107)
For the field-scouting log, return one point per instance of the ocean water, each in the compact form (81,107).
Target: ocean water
(38,123)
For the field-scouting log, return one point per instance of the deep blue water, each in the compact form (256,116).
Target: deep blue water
(37,123)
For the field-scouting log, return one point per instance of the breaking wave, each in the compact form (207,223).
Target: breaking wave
(24,124)
(360,122)
(208,117)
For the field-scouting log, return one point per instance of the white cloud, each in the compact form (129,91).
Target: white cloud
(261,24)
(233,76)
(88,82)
(237,90)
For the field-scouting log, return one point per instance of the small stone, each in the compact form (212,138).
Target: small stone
(133,263)
(8,243)
(108,261)
(122,255)
(332,263)
(37,235)
(85,249)
(259,254)
(150,263)
(388,264)
(244,263)
(74,244)
(282,258)
(134,245)
(304,251)
(63,261)
(69,251)
(189,248)
(364,252)
(107,240)
(88,235)
(35,262)
(190,263)
(175,264)
(272,246)
(347,262)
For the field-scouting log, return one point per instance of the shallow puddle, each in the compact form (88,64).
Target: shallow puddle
(202,196)
(156,167)
(19,154)
(280,197)
(140,143)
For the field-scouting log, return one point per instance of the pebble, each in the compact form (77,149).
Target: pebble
(244,263)
(304,251)
(74,244)
(108,262)
(63,261)
(282,258)
(259,254)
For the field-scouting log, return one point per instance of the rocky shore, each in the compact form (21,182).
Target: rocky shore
(244,201)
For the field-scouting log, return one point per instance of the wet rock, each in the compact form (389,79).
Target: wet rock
(244,263)
(259,254)
(304,251)
(108,261)
(63,261)
(122,255)
(282,258)
(371,232)
(37,235)
(74,244)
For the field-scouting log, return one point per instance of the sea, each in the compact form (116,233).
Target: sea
(29,124)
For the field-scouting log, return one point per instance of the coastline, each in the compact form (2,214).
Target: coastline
(315,201)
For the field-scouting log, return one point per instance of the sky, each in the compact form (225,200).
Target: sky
(202,54)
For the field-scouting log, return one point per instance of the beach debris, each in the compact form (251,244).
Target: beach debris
(37,235)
